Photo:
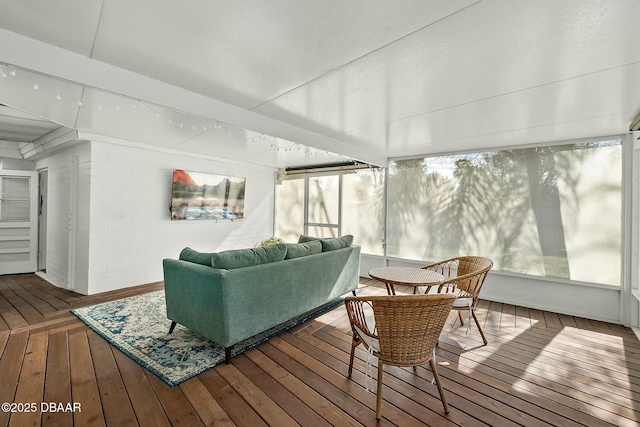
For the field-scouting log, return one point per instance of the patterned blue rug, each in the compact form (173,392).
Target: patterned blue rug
(138,326)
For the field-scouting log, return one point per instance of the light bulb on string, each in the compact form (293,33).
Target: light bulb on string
(6,70)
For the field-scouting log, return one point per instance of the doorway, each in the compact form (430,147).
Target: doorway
(43,186)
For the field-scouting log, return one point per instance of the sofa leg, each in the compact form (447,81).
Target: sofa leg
(227,355)
(172,327)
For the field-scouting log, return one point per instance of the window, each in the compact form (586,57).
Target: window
(14,198)
(332,204)
(553,211)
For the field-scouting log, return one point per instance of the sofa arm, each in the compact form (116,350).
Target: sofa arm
(194,297)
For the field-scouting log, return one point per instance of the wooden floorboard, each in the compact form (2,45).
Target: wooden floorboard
(538,369)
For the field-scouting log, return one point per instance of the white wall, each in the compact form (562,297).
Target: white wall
(16,164)
(122,228)
(591,301)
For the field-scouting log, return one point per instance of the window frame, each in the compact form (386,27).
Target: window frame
(307,224)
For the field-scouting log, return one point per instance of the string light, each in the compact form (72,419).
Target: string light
(4,68)
(218,125)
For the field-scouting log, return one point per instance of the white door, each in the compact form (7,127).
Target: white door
(18,222)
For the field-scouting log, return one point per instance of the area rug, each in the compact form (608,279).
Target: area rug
(138,326)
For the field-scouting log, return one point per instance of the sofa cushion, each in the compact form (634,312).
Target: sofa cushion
(305,239)
(297,250)
(336,243)
(329,244)
(238,258)
(188,254)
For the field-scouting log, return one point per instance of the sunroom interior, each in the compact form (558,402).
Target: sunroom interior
(425,129)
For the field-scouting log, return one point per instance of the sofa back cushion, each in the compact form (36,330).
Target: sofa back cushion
(239,258)
(188,254)
(329,244)
(297,250)
(305,239)
(236,258)
(337,243)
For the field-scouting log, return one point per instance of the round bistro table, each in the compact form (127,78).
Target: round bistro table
(409,276)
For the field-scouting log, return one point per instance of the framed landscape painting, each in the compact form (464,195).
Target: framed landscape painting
(206,196)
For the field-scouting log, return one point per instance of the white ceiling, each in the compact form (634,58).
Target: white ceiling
(18,126)
(325,81)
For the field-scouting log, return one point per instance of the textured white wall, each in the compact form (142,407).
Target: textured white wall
(131,231)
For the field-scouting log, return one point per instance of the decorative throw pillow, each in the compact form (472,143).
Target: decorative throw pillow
(239,258)
(297,250)
(188,254)
(336,243)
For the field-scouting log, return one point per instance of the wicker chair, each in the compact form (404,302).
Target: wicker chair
(406,330)
(464,277)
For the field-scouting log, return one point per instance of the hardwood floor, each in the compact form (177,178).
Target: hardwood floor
(539,369)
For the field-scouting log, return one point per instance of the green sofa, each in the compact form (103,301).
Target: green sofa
(233,295)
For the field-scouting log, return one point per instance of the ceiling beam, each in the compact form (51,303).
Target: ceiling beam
(39,57)
(53,141)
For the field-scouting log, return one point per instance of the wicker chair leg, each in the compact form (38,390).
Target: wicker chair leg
(354,344)
(484,339)
(432,362)
(379,392)
(460,317)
